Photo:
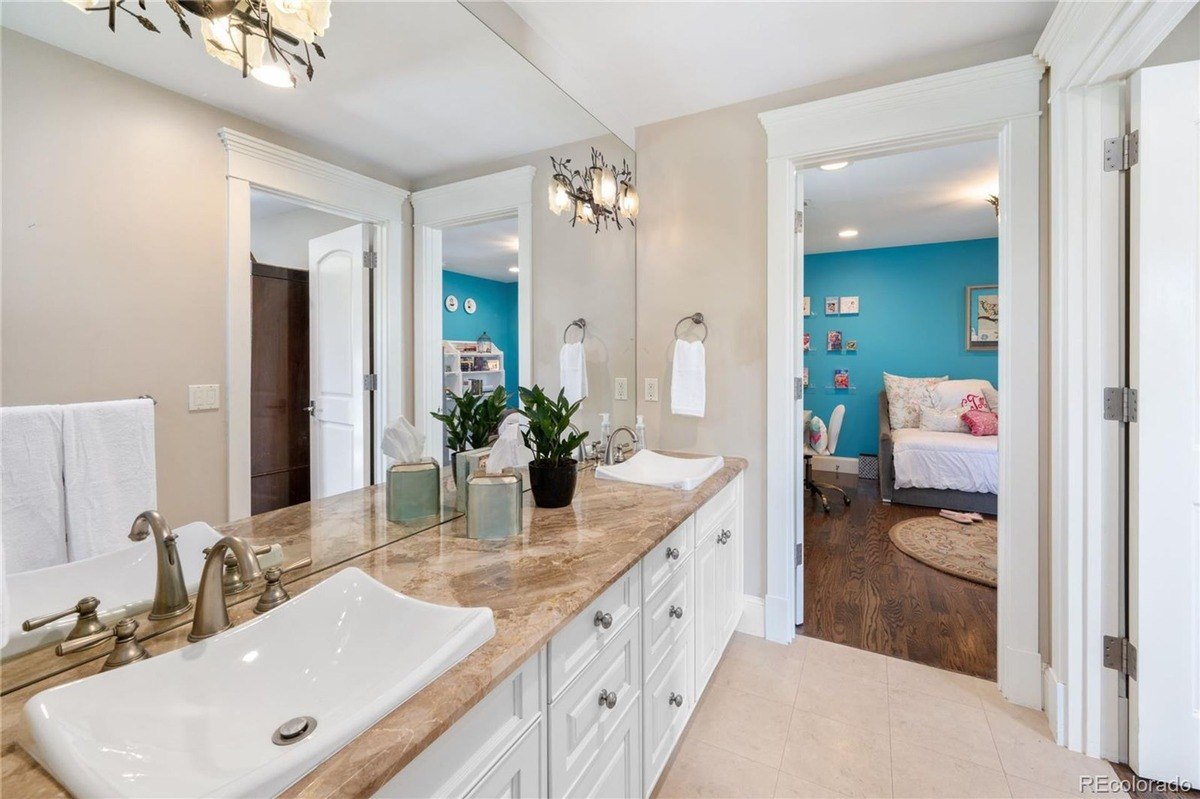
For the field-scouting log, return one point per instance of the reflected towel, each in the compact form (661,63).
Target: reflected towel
(109,472)
(687,379)
(572,371)
(32,500)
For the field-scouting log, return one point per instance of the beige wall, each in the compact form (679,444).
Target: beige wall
(702,247)
(578,273)
(113,280)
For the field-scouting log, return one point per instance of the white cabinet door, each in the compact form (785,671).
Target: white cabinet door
(667,703)
(707,618)
(617,772)
(729,566)
(520,774)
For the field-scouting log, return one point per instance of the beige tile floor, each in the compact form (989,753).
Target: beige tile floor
(817,719)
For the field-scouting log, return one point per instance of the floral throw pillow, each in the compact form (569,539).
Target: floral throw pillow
(982,423)
(906,397)
(943,421)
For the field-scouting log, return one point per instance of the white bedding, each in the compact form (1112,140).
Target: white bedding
(960,461)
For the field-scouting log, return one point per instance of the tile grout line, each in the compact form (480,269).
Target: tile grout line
(887,689)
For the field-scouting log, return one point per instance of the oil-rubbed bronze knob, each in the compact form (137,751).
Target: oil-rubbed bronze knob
(602,619)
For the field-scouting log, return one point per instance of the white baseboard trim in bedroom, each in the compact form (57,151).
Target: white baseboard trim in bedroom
(835,463)
(1054,701)
(753,621)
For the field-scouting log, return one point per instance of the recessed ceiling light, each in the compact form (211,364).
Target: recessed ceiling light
(848,233)
(514,269)
(835,165)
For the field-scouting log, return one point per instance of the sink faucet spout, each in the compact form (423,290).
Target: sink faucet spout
(211,615)
(170,591)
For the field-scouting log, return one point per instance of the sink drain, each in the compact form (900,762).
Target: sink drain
(293,730)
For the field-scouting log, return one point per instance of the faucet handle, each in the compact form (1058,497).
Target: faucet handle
(126,650)
(275,594)
(87,625)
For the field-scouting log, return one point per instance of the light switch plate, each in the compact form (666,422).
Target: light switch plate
(206,397)
(621,390)
(651,389)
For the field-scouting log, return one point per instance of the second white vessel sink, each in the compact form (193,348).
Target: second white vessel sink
(652,469)
(214,718)
(123,581)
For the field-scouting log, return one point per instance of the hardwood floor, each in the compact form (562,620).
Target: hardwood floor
(861,591)
(1152,790)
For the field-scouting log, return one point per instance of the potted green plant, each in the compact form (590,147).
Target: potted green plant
(471,422)
(552,472)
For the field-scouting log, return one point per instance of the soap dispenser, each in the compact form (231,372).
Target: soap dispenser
(605,431)
(640,429)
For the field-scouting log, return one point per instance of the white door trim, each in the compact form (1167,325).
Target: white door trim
(474,200)
(253,163)
(1001,101)
(1090,49)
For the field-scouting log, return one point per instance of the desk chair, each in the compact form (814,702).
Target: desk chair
(818,489)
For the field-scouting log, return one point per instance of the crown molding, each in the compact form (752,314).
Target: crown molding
(475,196)
(1086,43)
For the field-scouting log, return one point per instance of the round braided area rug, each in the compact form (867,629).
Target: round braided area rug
(964,550)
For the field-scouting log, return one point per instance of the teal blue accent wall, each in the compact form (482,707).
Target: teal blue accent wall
(910,322)
(496,313)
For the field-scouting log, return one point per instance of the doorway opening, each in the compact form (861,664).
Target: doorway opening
(899,329)
(311,415)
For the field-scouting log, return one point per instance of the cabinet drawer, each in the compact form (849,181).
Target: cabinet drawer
(617,771)
(668,557)
(667,704)
(574,646)
(667,616)
(709,513)
(580,723)
(452,764)
(520,773)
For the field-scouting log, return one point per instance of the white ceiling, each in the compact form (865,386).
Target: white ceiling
(419,88)
(912,198)
(635,63)
(264,205)
(483,249)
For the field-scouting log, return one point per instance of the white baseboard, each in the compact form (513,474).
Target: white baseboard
(1021,680)
(753,620)
(1054,700)
(835,463)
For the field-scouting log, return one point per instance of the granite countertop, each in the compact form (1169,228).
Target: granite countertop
(535,583)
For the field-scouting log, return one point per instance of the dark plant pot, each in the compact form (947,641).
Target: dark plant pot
(553,486)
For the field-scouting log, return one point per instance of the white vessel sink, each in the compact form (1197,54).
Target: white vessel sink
(652,469)
(123,581)
(199,721)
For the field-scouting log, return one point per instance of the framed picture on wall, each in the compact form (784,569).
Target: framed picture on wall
(833,341)
(831,306)
(983,317)
(808,306)
(807,341)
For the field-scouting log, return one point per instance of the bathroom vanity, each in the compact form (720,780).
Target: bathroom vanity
(610,616)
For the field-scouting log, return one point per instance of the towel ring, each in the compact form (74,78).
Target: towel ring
(580,323)
(695,319)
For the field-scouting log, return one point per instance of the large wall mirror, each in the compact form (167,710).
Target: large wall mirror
(217,293)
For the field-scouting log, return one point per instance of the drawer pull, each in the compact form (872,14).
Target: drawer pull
(672,553)
(602,619)
(608,698)
(675,699)
(676,612)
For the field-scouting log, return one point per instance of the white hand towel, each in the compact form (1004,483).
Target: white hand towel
(572,370)
(109,471)
(687,379)
(32,499)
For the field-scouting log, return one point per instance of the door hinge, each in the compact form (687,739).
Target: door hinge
(1121,152)
(370,259)
(800,554)
(799,393)
(1121,655)
(371,382)
(799,221)
(1120,404)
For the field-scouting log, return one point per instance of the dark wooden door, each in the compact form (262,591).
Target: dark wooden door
(278,388)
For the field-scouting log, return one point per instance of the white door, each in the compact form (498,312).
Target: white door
(1164,441)
(338,329)
(798,372)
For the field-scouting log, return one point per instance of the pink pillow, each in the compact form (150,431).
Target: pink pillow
(982,423)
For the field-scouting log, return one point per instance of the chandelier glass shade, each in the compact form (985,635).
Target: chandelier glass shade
(267,39)
(600,194)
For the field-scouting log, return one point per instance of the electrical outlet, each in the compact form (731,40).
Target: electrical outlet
(651,389)
(204,397)
(621,391)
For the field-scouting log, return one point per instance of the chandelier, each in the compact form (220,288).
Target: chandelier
(263,38)
(597,194)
